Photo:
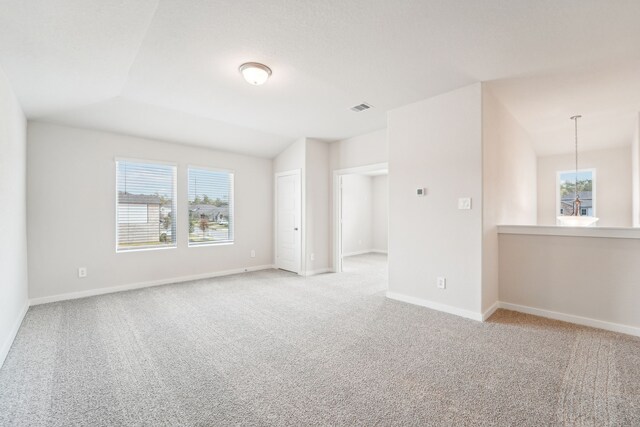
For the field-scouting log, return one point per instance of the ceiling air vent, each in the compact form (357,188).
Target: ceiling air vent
(361,107)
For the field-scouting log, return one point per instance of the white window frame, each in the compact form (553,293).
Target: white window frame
(175,197)
(232,225)
(594,184)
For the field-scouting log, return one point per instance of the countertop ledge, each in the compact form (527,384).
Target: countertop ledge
(556,230)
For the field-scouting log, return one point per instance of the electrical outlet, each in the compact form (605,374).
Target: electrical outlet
(253,253)
(312,257)
(82,272)
(464,203)
(442,283)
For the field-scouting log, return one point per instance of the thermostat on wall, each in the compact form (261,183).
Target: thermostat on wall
(421,191)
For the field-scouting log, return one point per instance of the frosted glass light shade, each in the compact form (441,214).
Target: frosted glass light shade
(577,221)
(255,73)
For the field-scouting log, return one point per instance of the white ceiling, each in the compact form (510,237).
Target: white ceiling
(607,97)
(168,69)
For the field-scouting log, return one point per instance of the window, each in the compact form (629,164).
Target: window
(132,214)
(210,206)
(146,210)
(566,192)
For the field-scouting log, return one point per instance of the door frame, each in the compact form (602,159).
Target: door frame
(277,175)
(337,207)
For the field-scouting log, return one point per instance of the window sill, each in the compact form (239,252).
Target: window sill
(143,249)
(556,230)
(204,245)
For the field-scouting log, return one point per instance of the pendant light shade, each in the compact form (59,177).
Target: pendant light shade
(578,220)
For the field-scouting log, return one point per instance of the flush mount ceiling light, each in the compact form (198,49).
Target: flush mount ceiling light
(576,219)
(255,73)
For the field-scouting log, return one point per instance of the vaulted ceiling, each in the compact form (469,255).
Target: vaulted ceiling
(169,69)
(607,96)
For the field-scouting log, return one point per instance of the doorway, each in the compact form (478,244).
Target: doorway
(288,213)
(360,217)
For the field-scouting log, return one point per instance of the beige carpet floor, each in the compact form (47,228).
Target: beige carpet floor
(271,348)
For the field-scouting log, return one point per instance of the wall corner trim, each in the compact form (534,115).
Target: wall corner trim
(436,306)
(140,285)
(487,314)
(8,342)
(570,318)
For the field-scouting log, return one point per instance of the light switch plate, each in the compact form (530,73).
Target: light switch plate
(464,203)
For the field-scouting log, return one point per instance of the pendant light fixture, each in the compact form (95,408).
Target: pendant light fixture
(576,219)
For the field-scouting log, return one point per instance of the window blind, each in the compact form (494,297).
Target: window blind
(210,206)
(146,205)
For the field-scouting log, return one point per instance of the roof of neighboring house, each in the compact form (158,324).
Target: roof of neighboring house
(209,209)
(566,204)
(585,197)
(142,199)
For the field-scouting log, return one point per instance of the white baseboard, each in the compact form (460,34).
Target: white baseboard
(490,311)
(367,251)
(318,271)
(436,306)
(6,345)
(113,289)
(579,320)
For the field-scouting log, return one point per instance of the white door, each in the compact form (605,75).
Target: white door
(288,213)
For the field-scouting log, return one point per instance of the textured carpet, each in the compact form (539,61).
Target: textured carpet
(272,348)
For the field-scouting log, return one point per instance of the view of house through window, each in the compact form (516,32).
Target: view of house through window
(145,205)
(567,192)
(210,206)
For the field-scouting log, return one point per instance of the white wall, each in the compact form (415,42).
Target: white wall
(613,184)
(635,171)
(318,238)
(365,219)
(541,272)
(357,214)
(509,185)
(437,143)
(291,158)
(361,150)
(71,199)
(13,217)
(380,220)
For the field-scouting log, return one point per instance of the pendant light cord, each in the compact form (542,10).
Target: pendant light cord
(575,119)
